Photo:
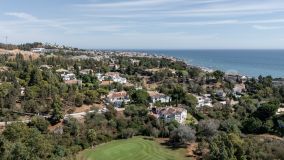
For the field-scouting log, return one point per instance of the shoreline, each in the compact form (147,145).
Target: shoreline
(203,68)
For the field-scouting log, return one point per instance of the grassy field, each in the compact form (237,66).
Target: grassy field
(136,148)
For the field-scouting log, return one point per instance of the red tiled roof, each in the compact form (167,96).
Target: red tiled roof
(117,94)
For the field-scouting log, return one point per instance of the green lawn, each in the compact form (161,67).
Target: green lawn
(132,149)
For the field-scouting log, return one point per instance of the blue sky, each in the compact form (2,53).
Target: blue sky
(145,24)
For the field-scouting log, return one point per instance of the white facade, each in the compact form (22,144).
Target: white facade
(203,101)
(170,114)
(117,98)
(68,77)
(159,97)
(38,50)
(119,80)
(113,76)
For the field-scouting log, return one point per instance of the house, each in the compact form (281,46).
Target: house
(68,76)
(170,114)
(117,98)
(74,82)
(44,67)
(86,72)
(62,71)
(22,91)
(159,97)
(238,90)
(114,66)
(220,94)
(204,100)
(113,76)
(106,83)
(38,50)
(99,76)
(232,78)
(135,61)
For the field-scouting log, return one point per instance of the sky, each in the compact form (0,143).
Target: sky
(145,24)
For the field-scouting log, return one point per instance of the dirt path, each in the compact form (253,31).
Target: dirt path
(269,136)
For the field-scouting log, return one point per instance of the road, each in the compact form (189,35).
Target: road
(74,115)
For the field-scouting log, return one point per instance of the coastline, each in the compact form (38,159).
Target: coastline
(249,63)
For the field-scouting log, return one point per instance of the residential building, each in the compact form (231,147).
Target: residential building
(113,76)
(204,100)
(38,50)
(68,76)
(117,98)
(135,61)
(221,95)
(169,114)
(159,97)
(114,66)
(86,72)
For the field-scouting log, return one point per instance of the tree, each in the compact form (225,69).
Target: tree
(265,111)
(208,128)
(91,136)
(31,106)
(219,75)
(102,92)
(140,97)
(2,147)
(79,98)
(35,77)
(127,133)
(40,123)
(182,135)
(190,100)
(178,94)
(57,111)
(252,125)
(230,126)
(16,132)
(19,152)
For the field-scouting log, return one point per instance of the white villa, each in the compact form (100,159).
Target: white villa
(114,76)
(117,98)
(38,50)
(86,71)
(68,77)
(204,100)
(173,113)
(159,97)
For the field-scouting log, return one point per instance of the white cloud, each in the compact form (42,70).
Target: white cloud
(261,27)
(22,15)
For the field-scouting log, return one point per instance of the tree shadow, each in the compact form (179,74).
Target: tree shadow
(173,146)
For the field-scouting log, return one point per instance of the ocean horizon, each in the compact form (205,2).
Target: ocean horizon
(249,62)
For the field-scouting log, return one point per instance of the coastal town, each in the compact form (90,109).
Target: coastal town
(121,94)
(117,98)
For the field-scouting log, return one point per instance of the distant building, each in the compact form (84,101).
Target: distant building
(114,66)
(159,97)
(62,71)
(22,91)
(117,98)
(111,76)
(204,100)
(68,77)
(170,114)
(45,67)
(221,95)
(135,61)
(38,50)
(87,72)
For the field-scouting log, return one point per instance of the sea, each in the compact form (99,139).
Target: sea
(251,63)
